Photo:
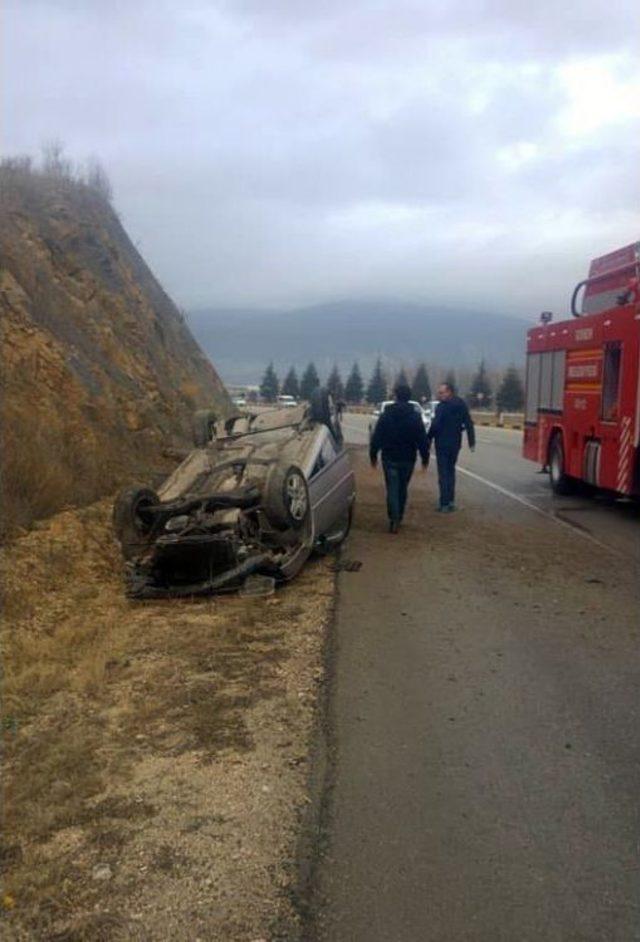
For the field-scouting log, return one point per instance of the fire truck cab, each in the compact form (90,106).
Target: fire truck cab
(582,402)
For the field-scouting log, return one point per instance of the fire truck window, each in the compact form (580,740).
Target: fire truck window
(557,387)
(611,381)
(546,381)
(533,387)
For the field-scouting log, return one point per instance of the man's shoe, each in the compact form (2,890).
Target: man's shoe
(443,508)
(394,526)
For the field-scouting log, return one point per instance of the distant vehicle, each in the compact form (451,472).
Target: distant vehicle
(239,401)
(257,495)
(380,408)
(286,402)
(582,400)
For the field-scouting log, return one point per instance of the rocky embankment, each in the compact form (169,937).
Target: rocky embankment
(100,371)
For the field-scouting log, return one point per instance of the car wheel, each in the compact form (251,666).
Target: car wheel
(338,533)
(203,425)
(132,520)
(286,502)
(561,483)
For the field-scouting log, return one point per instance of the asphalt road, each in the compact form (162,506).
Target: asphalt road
(483,725)
(499,463)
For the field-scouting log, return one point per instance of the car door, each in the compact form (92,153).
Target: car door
(331,483)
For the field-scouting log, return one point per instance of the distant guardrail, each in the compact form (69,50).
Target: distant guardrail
(514,420)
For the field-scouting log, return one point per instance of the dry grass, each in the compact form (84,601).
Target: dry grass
(50,463)
(47,465)
(94,685)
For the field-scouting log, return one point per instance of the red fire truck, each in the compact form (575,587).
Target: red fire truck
(582,403)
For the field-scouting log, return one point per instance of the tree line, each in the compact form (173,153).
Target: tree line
(508,395)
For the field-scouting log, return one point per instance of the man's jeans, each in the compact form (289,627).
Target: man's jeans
(397,475)
(447,458)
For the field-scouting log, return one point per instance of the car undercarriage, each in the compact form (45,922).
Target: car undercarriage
(239,504)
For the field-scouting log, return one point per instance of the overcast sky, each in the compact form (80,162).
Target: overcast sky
(285,152)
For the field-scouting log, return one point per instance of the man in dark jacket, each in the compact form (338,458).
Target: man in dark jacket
(451,417)
(399,434)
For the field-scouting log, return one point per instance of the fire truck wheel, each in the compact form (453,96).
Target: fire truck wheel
(561,483)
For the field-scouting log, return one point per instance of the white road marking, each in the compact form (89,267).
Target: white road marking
(544,513)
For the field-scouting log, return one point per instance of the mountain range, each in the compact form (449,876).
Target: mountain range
(244,341)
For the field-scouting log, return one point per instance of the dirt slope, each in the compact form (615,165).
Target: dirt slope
(100,372)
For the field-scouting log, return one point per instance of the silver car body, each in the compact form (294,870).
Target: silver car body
(210,521)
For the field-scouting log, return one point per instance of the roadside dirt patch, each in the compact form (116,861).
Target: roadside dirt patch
(155,754)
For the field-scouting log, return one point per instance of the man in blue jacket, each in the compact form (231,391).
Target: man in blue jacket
(399,434)
(450,419)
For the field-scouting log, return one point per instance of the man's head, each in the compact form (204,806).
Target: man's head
(445,391)
(402,393)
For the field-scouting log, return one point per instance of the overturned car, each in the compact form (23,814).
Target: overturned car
(258,494)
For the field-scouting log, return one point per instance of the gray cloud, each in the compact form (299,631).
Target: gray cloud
(281,152)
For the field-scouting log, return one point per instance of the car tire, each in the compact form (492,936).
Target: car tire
(560,481)
(132,524)
(286,501)
(204,422)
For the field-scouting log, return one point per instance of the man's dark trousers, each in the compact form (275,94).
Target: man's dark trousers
(447,458)
(397,475)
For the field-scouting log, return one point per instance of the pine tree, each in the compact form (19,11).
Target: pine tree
(354,390)
(310,381)
(377,388)
(335,384)
(269,385)
(421,385)
(481,393)
(291,385)
(510,397)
